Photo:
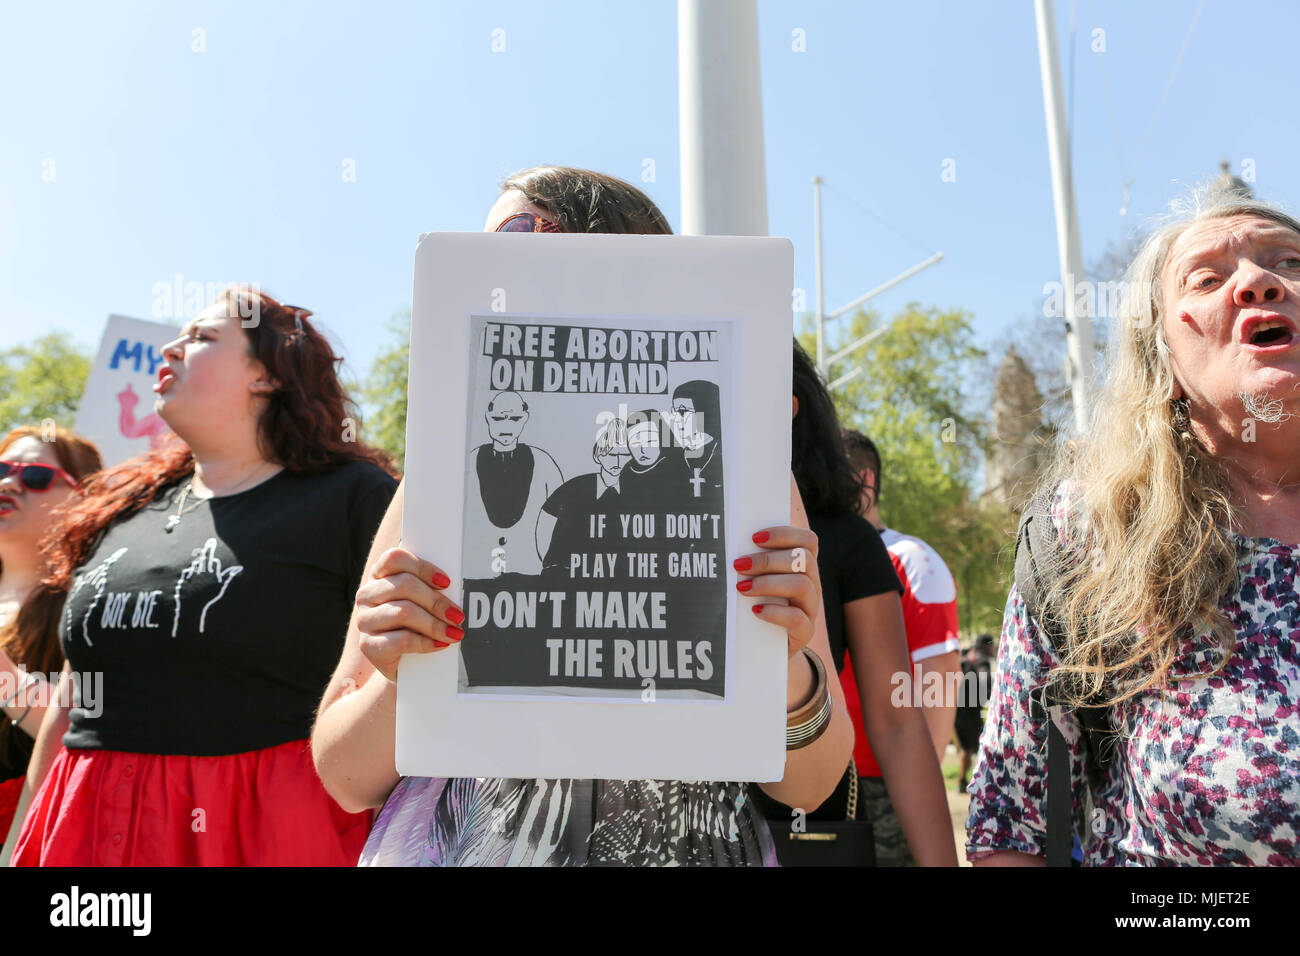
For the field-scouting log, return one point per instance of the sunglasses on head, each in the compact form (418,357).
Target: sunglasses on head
(527,222)
(34,477)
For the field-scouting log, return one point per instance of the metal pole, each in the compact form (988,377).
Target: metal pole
(886,286)
(821,290)
(1078,325)
(854,346)
(724,177)
(845,378)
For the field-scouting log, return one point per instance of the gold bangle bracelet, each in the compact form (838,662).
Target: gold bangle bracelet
(807,723)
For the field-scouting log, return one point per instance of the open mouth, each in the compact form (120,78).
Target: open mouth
(1273,335)
(1269,334)
(7,505)
(165,377)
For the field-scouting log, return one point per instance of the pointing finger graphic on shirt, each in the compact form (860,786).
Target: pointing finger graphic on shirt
(205,562)
(98,579)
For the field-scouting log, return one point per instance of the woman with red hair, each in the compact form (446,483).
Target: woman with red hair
(209,585)
(40,469)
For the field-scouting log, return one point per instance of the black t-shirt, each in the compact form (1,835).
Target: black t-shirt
(853,563)
(266,581)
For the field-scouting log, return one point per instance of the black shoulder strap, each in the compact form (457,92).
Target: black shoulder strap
(1037,551)
(1060,811)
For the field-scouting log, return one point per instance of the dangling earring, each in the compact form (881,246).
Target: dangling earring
(1180,419)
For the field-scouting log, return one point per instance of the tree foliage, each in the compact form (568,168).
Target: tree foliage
(42,379)
(914,399)
(383,393)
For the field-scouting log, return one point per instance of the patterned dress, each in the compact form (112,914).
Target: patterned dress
(1207,770)
(487,822)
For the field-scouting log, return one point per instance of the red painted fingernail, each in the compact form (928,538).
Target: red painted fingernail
(761,536)
(441,580)
(742,564)
(455,615)
(455,633)
(744,585)
(758,608)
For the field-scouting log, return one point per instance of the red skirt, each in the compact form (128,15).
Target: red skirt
(263,808)
(10,792)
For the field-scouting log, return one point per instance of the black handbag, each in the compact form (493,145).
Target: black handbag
(847,842)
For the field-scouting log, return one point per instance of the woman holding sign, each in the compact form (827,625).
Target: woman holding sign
(401,609)
(208,586)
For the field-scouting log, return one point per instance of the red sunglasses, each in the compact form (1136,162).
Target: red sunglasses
(527,222)
(34,477)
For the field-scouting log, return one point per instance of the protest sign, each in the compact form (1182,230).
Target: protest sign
(581,463)
(116,410)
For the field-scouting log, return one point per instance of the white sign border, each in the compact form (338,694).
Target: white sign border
(442,733)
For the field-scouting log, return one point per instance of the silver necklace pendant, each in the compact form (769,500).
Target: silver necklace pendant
(175,519)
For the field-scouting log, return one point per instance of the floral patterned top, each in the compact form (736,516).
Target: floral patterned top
(1207,769)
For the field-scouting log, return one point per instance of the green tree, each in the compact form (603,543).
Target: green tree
(383,393)
(42,379)
(919,399)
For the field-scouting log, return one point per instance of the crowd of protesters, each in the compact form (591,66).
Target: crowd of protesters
(239,705)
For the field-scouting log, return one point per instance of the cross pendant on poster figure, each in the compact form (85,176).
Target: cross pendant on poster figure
(697,481)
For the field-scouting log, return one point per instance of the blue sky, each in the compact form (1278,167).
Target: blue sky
(226,164)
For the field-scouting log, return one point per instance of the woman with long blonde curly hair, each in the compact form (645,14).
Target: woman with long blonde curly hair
(1166,608)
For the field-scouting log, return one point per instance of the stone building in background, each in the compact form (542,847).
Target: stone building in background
(1019,441)
(1226,182)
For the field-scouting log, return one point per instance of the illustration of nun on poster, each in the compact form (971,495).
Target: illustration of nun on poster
(594,529)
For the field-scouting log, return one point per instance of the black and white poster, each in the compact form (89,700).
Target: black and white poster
(596,426)
(594,542)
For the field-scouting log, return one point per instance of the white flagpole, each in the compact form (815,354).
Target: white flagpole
(1078,322)
(724,175)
